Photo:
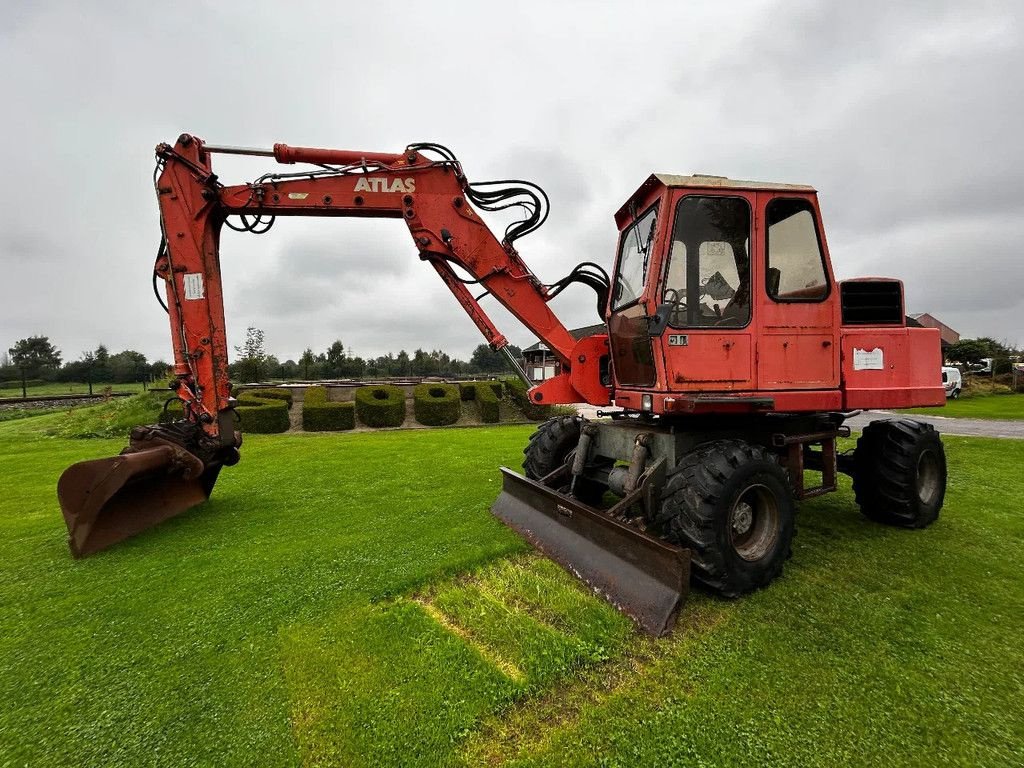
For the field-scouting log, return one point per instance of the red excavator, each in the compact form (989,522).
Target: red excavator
(732,354)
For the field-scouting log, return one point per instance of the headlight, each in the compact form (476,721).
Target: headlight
(647,403)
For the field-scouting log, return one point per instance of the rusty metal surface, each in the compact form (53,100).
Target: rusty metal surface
(644,577)
(105,501)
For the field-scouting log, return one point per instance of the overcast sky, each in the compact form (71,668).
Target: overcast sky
(907,117)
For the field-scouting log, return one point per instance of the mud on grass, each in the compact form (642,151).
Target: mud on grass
(346,599)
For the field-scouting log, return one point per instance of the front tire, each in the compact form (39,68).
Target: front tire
(900,473)
(550,448)
(731,503)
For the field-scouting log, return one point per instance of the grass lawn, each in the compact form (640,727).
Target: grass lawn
(979,407)
(69,388)
(346,599)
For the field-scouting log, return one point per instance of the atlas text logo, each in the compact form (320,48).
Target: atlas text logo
(380,184)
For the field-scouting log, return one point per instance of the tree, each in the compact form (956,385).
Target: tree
(160,370)
(403,363)
(335,358)
(128,365)
(307,361)
(100,370)
(252,355)
(33,356)
(486,360)
(79,370)
(422,364)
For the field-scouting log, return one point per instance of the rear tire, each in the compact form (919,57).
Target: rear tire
(900,473)
(731,503)
(550,447)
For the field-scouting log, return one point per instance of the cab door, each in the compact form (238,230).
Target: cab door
(797,347)
(632,351)
(707,289)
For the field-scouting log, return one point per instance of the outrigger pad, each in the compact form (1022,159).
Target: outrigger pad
(644,577)
(105,501)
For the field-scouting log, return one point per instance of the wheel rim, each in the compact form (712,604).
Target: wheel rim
(928,477)
(754,523)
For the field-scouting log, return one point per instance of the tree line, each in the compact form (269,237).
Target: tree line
(37,359)
(252,363)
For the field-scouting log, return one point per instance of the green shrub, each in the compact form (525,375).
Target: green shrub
(517,392)
(266,394)
(467,389)
(486,395)
(263,413)
(437,405)
(487,403)
(380,405)
(319,415)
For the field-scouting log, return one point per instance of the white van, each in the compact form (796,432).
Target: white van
(951,381)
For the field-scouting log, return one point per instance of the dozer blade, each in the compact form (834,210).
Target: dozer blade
(105,501)
(644,577)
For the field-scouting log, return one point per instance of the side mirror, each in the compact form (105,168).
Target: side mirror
(658,322)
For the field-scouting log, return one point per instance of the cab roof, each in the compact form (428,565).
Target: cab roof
(707,180)
(704,181)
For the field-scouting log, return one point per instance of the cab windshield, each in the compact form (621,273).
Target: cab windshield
(708,280)
(634,257)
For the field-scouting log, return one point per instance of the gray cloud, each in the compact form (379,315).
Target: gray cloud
(905,116)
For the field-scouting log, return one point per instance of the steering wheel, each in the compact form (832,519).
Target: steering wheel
(677,315)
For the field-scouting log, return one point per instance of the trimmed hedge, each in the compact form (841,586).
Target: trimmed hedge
(437,405)
(267,394)
(518,393)
(380,405)
(319,415)
(467,389)
(486,394)
(264,413)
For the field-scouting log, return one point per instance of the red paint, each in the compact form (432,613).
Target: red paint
(789,351)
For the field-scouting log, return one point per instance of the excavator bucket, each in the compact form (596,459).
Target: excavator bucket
(644,577)
(105,501)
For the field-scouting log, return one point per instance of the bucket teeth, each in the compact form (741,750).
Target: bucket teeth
(644,577)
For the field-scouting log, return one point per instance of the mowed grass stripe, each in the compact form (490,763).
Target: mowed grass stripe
(386,684)
(514,673)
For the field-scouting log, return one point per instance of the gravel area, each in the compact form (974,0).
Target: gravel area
(947,425)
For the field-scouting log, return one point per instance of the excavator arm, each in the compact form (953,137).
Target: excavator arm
(430,194)
(168,468)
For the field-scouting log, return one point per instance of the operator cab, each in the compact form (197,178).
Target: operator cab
(720,286)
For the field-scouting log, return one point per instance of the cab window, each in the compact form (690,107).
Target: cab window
(708,278)
(796,267)
(634,257)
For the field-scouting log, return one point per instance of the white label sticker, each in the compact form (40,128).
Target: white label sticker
(193,285)
(867,360)
(298,195)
